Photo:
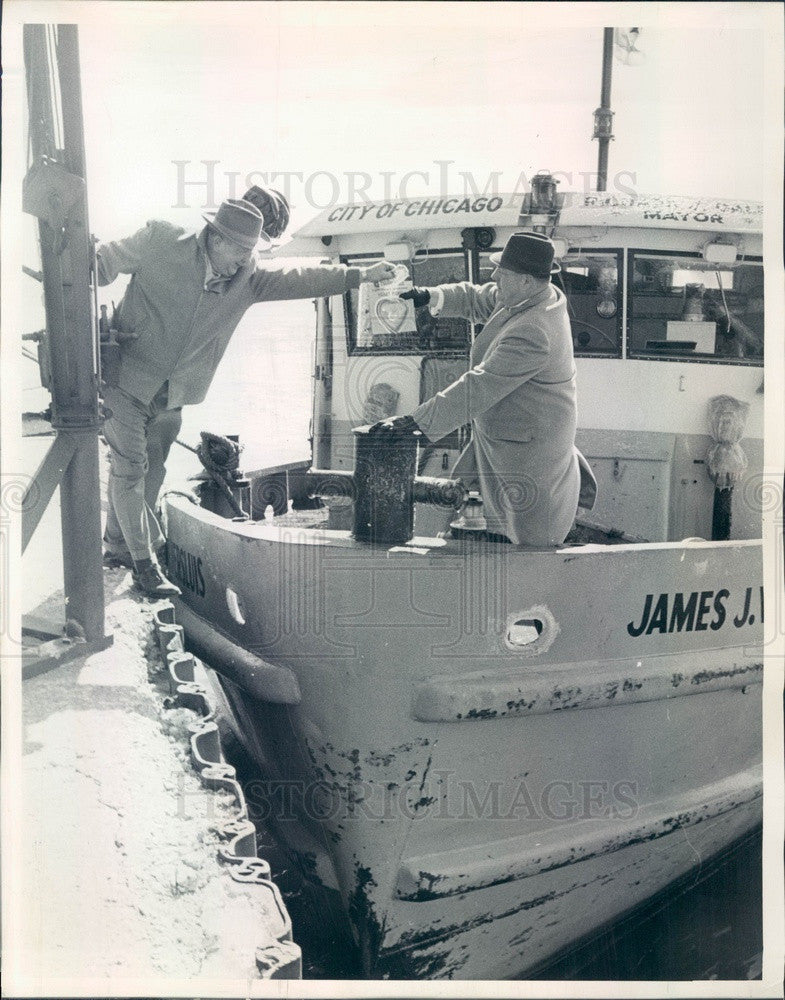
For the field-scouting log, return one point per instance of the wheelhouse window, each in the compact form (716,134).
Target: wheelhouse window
(591,283)
(681,306)
(378,322)
(486,266)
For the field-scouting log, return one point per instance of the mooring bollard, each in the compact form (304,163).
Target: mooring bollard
(214,498)
(384,471)
(384,487)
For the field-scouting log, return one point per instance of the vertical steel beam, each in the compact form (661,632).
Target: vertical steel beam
(82,337)
(321,423)
(57,144)
(65,252)
(80,517)
(71,99)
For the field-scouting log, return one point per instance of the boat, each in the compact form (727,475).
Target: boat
(489,752)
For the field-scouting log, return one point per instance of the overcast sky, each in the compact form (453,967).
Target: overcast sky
(374,87)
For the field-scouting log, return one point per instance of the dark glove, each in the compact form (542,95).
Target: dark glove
(394,427)
(419,296)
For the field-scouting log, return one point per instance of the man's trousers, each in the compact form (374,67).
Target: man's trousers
(139,437)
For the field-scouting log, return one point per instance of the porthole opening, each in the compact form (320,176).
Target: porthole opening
(524,631)
(235,606)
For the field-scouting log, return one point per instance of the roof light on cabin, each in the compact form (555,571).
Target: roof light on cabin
(541,206)
(543,193)
(720,253)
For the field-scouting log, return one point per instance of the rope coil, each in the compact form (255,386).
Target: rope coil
(220,457)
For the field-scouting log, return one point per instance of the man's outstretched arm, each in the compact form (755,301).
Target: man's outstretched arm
(462,300)
(512,362)
(289,281)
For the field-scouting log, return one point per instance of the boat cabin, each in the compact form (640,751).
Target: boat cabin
(666,302)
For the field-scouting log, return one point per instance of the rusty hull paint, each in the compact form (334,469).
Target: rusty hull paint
(592,684)
(369,928)
(348,773)
(444,947)
(418,950)
(514,927)
(472,869)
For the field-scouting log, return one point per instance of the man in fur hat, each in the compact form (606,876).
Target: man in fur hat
(187,294)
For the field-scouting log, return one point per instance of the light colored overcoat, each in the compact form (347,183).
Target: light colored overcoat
(520,397)
(182,323)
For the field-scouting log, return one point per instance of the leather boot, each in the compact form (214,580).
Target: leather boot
(149,580)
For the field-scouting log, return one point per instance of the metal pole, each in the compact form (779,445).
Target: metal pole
(80,518)
(54,95)
(71,99)
(321,445)
(603,116)
(721,514)
(80,489)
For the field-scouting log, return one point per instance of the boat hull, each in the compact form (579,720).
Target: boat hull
(490,759)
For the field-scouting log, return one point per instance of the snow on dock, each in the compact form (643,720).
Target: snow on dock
(119,871)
